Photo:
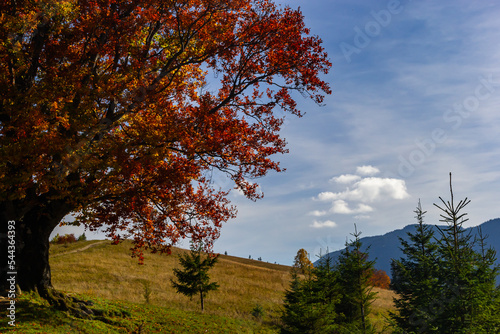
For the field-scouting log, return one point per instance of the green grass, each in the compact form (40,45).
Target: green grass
(34,315)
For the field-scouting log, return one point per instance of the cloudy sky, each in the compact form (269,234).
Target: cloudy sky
(416,95)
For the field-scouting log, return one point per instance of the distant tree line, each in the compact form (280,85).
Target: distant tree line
(67,239)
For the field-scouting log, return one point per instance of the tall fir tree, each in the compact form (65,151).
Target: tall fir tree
(327,289)
(193,278)
(467,276)
(354,272)
(414,279)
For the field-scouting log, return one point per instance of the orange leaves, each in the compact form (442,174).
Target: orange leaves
(380,279)
(115,107)
(302,264)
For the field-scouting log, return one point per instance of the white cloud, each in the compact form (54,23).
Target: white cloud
(346,178)
(327,223)
(342,207)
(370,189)
(367,170)
(360,196)
(317,213)
(328,196)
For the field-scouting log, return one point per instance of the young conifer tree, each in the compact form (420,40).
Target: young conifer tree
(300,313)
(446,286)
(414,279)
(193,278)
(328,291)
(467,275)
(309,305)
(487,292)
(354,272)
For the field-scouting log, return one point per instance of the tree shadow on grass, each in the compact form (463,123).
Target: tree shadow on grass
(29,310)
(35,313)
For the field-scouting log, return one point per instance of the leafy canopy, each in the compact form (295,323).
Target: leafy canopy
(122,111)
(302,265)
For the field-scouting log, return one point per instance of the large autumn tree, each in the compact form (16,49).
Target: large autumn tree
(119,112)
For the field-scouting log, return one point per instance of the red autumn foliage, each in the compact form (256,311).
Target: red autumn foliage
(64,239)
(124,112)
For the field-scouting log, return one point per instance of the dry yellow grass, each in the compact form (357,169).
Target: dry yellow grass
(109,272)
(381,307)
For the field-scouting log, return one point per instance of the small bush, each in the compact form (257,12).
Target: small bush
(65,239)
(55,239)
(83,237)
(258,312)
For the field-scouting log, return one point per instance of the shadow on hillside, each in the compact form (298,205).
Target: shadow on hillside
(27,310)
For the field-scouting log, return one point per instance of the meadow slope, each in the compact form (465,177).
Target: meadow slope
(108,275)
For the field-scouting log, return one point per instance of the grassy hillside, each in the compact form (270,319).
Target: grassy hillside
(109,272)
(113,280)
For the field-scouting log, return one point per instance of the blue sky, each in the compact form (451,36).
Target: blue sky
(416,95)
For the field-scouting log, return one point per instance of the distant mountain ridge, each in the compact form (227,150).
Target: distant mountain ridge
(385,247)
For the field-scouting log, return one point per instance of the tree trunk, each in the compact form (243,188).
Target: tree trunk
(201,298)
(32,232)
(33,258)
(33,226)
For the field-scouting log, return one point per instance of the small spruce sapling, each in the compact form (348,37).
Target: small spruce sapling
(193,278)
